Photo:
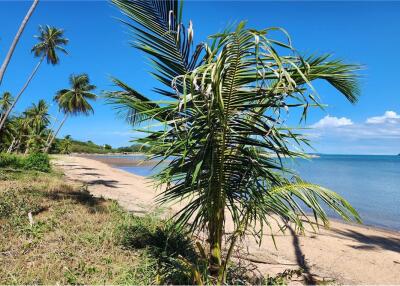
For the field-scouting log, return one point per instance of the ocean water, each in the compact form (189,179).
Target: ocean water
(370,183)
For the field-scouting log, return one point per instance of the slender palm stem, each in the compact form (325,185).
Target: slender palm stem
(10,148)
(16,39)
(55,134)
(3,120)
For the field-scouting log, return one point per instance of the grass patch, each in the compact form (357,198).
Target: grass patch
(76,238)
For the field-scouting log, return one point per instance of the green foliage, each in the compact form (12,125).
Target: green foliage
(223,123)
(34,161)
(27,132)
(76,146)
(163,244)
(51,40)
(135,148)
(74,100)
(37,161)
(11,160)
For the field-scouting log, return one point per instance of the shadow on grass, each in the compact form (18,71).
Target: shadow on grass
(82,197)
(163,242)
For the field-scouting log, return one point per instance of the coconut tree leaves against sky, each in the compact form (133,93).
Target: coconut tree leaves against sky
(223,119)
(5,103)
(74,101)
(50,41)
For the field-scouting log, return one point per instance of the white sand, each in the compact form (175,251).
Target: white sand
(346,253)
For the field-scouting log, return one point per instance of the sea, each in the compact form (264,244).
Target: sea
(371,183)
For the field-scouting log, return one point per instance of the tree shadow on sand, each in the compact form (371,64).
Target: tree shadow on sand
(300,259)
(372,241)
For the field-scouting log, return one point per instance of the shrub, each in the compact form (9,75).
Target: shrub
(10,160)
(34,161)
(38,162)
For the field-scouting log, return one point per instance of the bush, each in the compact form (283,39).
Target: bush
(38,162)
(34,161)
(10,160)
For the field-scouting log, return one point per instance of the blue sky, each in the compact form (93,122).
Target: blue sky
(359,32)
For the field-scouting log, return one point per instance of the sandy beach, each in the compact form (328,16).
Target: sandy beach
(345,254)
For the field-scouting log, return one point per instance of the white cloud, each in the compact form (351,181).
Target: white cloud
(386,126)
(331,121)
(389,117)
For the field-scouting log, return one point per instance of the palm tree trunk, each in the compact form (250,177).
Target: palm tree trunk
(3,120)
(215,228)
(55,134)
(11,146)
(16,39)
(26,150)
(51,130)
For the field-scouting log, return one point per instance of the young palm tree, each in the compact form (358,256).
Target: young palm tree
(65,146)
(16,39)
(51,40)
(224,134)
(74,101)
(5,103)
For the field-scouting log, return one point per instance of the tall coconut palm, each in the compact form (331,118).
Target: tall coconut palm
(74,101)
(5,102)
(16,39)
(51,41)
(224,136)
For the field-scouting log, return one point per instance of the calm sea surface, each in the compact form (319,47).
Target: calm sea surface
(370,183)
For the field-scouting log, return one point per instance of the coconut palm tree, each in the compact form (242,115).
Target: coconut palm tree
(35,139)
(65,146)
(14,133)
(5,103)
(16,39)
(74,101)
(51,41)
(38,116)
(224,138)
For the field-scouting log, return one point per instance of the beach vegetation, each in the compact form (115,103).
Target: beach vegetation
(27,132)
(41,224)
(74,101)
(222,126)
(51,40)
(34,161)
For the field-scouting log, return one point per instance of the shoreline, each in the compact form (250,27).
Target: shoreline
(347,253)
(126,162)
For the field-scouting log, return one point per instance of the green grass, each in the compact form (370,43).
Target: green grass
(79,239)
(33,161)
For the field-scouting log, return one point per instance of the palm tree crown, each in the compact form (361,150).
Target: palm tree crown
(38,116)
(74,100)
(5,102)
(50,40)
